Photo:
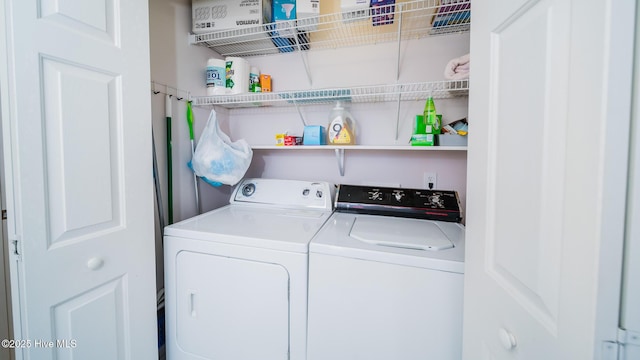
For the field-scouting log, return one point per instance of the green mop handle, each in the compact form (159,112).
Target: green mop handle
(190,120)
(192,138)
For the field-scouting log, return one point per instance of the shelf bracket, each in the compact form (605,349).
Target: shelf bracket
(304,60)
(398,113)
(340,158)
(304,123)
(399,41)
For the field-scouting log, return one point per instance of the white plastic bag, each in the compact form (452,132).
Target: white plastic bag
(218,160)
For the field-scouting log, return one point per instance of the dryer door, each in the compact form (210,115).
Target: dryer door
(231,308)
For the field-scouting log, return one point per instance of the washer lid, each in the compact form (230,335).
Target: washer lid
(336,239)
(408,234)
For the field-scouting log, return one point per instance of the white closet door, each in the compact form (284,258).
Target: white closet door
(543,196)
(76,127)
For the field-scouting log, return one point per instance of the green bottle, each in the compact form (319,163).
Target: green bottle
(430,117)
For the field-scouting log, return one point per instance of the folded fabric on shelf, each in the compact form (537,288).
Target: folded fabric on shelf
(458,68)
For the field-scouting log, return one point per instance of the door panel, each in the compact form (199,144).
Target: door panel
(535,181)
(524,228)
(74,321)
(77,136)
(94,18)
(83,186)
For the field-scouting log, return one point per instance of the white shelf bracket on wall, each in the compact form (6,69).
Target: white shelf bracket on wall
(398,113)
(304,123)
(305,62)
(340,158)
(398,42)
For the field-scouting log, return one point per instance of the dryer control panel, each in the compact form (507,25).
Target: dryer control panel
(291,194)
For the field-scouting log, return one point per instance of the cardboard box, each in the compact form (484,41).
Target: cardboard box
(307,12)
(265,82)
(452,140)
(382,12)
(314,135)
(215,15)
(291,140)
(283,14)
(353,10)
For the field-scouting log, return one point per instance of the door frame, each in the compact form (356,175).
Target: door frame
(620,46)
(6,182)
(6,332)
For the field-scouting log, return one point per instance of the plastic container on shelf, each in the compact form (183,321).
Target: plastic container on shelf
(342,127)
(216,76)
(430,117)
(254,80)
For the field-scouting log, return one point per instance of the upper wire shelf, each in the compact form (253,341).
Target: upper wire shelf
(404,20)
(360,94)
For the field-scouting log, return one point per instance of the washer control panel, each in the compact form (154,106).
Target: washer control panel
(284,193)
(413,203)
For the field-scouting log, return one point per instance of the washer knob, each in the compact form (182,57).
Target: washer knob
(249,189)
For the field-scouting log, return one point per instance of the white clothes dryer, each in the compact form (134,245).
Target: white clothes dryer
(236,277)
(385,281)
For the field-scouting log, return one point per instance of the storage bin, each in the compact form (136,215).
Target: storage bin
(452,140)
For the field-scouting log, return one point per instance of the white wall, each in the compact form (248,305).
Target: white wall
(421,60)
(176,63)
(181,66)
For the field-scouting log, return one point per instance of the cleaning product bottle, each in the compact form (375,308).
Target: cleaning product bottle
(431,124)
(254,80)
(430,117)
(342,127)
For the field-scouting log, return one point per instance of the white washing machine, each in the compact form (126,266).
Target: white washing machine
(385,281)
(236,277)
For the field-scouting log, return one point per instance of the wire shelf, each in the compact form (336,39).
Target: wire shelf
(404,20)
(361,94)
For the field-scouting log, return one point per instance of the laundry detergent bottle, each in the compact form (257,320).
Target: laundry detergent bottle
(342,127)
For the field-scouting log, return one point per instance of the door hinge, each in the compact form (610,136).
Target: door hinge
(17,246)
(4,214)
(628,337)
(612,350)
